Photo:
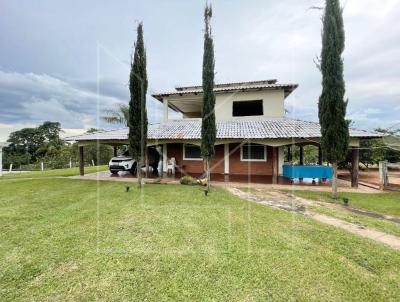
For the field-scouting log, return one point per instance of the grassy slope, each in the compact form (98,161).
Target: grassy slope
(172,243)
(370,222)
(386,203)
(53,173)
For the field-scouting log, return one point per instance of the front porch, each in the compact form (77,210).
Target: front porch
(235,161)
(241,181)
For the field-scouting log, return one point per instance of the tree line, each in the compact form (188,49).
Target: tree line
(29,147)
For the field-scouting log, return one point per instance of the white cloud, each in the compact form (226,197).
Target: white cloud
(368,88)
(370,8)
(6,126)
(4,132)
(43,86)
(264,39)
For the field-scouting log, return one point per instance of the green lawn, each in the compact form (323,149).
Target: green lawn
(365,221)
(53,173)
(386,203)
(64,239)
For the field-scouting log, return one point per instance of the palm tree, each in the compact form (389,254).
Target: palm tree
(118,115)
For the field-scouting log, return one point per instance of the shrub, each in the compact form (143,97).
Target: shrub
(188,180)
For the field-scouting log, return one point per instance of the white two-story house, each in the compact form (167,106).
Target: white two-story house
(252,130)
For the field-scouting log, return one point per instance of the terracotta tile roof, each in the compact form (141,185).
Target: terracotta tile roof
(190,129)
(220,85)
(228,88)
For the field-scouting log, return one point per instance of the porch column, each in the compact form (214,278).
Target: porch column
(281,160)
(319,155)
(146,163)
(226,158)
(164,158)
(115,151)
(275,159)
(165,109)
(289,154)
(301,156)
(81,162)
(354,166)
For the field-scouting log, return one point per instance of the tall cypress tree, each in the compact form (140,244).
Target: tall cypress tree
(208,128)
(137,105)
(332,106)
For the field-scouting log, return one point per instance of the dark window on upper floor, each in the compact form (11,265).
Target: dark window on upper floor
(248,108)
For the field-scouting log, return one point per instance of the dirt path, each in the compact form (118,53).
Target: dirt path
(385,238)
(286,202)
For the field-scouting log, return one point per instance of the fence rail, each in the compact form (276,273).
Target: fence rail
(389,173)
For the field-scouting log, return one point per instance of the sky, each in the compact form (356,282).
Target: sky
(68,61)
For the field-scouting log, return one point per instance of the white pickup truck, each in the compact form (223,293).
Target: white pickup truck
(122,163)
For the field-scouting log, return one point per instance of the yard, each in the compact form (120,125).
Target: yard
(53,173)
(66,239)
(385,203)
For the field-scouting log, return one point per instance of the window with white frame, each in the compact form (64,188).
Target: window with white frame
(253,152)
(191,152)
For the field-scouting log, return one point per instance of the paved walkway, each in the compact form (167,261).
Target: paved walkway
(288,202)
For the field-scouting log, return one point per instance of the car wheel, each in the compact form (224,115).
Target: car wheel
(133,169)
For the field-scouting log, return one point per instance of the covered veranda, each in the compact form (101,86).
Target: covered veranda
(280,152)
(250,148)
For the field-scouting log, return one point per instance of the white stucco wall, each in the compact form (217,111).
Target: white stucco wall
(273,103)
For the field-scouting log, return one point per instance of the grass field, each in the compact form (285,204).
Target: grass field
(386,226)
(77,240)
(385,203)
(52,173)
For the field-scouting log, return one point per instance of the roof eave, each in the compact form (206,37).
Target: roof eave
(288,89)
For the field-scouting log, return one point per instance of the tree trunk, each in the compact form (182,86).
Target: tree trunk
(334,181)
(146,161)
(139,173)
(208,174)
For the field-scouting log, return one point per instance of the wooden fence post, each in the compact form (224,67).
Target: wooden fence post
(354,167)
(81,161)
(383,176)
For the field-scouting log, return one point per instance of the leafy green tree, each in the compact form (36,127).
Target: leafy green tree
(332,106)
(16,158)
(50,131)
(137,121)
(120,115)
(310,154)
(391,144)
(30,144)
(372,151)
(208,127)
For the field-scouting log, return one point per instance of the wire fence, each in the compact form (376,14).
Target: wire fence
(45,165)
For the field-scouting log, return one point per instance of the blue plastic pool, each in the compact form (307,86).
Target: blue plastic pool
(293,171)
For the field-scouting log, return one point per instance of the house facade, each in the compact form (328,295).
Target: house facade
(252,130)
